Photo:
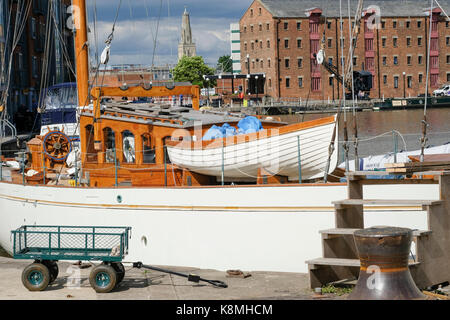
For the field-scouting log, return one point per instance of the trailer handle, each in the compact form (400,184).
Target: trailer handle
(190,277)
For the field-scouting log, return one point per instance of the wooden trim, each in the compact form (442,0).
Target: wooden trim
(268,133)
(196,187)
(292,209)
(159,91)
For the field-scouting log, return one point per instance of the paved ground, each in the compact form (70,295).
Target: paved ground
(152,285)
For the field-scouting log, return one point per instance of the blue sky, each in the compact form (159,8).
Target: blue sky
(137,23)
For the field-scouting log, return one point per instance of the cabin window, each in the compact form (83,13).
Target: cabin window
(129,149)
(148,150)
(91,155)
(109,138)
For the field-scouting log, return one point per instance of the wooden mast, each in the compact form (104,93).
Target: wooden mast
(81,51)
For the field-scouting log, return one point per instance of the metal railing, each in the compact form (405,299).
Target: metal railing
(4,124)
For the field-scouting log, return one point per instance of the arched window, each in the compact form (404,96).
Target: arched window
(91,155)
(110,144)
(129,149)
(147,149)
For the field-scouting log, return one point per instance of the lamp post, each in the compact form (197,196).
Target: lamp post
(223,88)
(404,84)
(248,73)
(207,81)
(332,84)
(256,79)
(248,63)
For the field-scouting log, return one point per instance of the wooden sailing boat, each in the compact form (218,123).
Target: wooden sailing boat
(180,214)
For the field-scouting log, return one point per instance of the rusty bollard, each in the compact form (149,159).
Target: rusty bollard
(384,273)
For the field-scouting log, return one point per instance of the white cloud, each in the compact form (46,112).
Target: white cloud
(134,40)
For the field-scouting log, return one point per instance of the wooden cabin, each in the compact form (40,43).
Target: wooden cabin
(124,143)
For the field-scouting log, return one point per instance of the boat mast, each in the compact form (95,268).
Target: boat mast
(81,51)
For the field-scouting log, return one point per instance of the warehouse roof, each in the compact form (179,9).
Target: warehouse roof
(330,8)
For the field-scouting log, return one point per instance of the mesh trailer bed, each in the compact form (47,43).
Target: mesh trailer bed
(48,244)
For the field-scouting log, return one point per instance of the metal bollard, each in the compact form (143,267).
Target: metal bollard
(384,273)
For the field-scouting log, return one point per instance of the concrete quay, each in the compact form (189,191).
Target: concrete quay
(140,284)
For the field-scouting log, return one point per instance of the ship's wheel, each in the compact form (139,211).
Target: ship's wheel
(57,146)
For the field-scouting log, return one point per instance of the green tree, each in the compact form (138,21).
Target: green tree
(192,69)
(225,64)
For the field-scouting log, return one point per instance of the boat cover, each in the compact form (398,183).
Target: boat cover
(247,125)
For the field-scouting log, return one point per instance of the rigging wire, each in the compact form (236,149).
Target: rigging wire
(424,139)
(344,102)
(168,20)
(350,65)
(4,97)
(131,16)
(22,14)
(148,18)
(108,43)
(64,47)
(95,31)
(448,18)
(44,72)
(157,30)
(3,65)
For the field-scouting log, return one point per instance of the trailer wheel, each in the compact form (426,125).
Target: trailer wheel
(36,277)
(120,270)
(103,278)
(53,268)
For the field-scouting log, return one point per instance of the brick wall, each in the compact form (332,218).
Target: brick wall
(388,52)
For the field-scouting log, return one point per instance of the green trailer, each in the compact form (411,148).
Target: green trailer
(47,245)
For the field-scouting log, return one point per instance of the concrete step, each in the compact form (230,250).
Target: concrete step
(333,233)
(385,202)
(362,176)
(336,262)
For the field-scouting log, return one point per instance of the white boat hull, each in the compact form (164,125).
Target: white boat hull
(249,228)
(276,153)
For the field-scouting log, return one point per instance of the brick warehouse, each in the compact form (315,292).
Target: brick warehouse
(395,52)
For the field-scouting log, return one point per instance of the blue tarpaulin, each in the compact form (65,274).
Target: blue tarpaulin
(249,125)
(246,125)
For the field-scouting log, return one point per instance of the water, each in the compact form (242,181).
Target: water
(372,125)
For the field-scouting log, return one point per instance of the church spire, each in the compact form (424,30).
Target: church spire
(186,46)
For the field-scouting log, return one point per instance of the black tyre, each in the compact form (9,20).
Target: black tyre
(103,278)
(120,270)
(36,277)
(53,268)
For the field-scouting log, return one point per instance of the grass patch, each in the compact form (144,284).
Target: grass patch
(336,290)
